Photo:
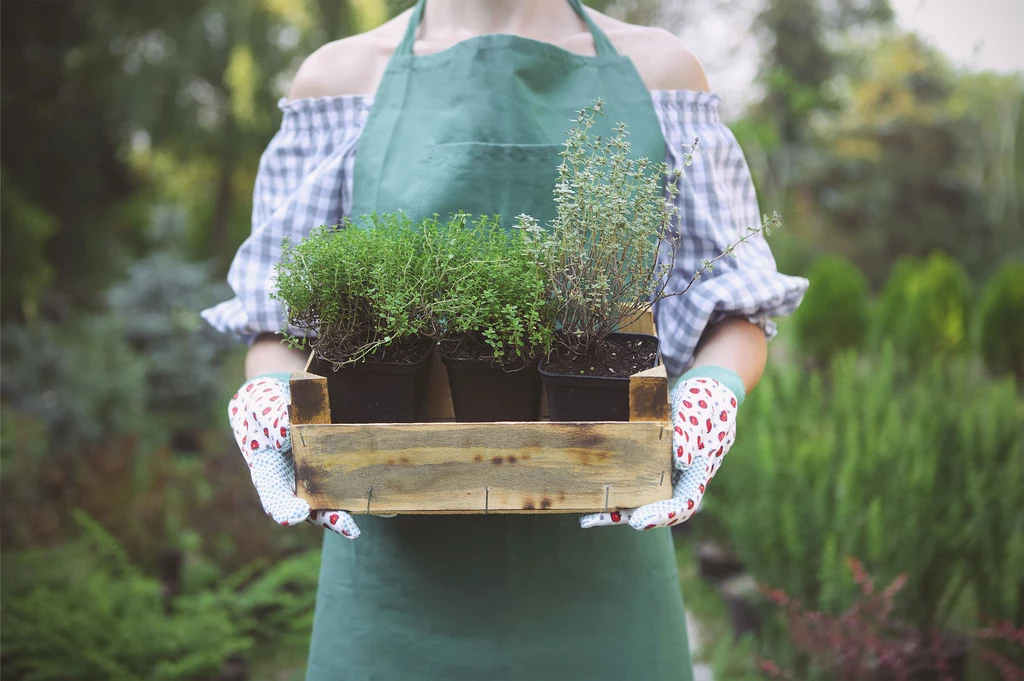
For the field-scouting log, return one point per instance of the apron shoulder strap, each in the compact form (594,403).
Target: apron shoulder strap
(602,45)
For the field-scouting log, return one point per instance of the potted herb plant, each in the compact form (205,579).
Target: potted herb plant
(600,258)
(364,295)
(607,256)
(493,315)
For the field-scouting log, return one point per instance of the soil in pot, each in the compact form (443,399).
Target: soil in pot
(595,387)
(373,391)
(484,390)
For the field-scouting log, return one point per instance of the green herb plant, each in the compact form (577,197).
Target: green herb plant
(492,296)
(361,291)
(609,250)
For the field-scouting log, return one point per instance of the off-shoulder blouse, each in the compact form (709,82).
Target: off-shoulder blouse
(305,180)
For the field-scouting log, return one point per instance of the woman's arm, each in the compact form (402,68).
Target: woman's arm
(734,344)
(268,355)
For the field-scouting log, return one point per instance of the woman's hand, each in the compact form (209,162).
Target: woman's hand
(704,428)
(259,417)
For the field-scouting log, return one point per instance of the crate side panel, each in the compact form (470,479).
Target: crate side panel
(449,467)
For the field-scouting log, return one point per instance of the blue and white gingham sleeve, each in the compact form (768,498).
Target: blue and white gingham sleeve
(717,203)
(303,181)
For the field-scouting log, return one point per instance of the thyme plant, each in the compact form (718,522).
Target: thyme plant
(600,254)
(492,296)
(362,292)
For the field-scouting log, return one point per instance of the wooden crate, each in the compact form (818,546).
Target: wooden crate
(441,466)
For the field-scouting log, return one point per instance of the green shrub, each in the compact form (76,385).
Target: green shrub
(887,468)
(83,611)
(923,309)
(491,293)
(834,313)
(157,305)
(1001,320)
(80,379)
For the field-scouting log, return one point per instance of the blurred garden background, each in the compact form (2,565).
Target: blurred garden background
(886,440)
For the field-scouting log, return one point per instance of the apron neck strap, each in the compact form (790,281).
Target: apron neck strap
(602,45)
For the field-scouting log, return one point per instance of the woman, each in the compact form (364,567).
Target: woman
(425,114)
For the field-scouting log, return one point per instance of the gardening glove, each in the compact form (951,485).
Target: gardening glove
(704,403)
(258,413)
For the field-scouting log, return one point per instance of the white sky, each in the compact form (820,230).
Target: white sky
(979,34)
(983,34)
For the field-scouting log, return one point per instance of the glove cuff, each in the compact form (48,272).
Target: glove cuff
(727,377)
(283,376)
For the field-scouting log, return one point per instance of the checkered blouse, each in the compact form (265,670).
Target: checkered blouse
(305,180)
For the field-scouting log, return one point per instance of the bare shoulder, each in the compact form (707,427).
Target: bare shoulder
(661,58)
(351,66)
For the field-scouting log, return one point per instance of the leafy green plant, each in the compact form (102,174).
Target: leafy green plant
(923,309)
(834,312)
(1002,320)
(492,296)
(601,252)
(361,290)
(84,611)
(880,466)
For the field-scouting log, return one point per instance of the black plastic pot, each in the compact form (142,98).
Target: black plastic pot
(377,392)
(589,398)
(483,391)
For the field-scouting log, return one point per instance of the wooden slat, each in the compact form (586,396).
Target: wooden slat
(642,324)
(310,403)
(488,467)
(648,395)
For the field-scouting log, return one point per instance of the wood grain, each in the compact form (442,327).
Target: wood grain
(475,468)
(648,395)
(642,324)
(310,403)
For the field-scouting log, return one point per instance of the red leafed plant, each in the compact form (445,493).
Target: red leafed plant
(865,643)
(1005,635)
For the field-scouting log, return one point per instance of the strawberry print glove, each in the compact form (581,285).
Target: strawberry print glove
(704,428)
(258,413)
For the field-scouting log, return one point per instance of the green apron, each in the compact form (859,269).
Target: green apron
(477,128)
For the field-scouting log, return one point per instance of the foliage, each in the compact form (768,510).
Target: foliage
(864,643)
(601,252)
(59,158)
(85,612)
(158,302)
(923,309)
(801,59)
(491,296)
(893,467)
(916,159)
(834,314)
(1001,648)
(360,290)
(81,380)
(1001,320)
(27,271)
